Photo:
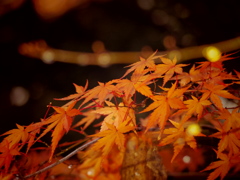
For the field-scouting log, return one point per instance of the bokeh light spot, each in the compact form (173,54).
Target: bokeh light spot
(104,59)
(146,4)
(169,42)
(91,172)
(212,53)
(83,59)
(194,129)
(186,159)
(48,57)
(98,47)
(160,17)
(181,11)
(19,96)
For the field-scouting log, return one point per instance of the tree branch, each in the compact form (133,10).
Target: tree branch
(40,50)
(63,159)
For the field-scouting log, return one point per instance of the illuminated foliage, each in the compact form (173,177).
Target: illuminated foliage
(175,106)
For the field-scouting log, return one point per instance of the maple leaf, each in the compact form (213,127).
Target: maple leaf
(80,90)
(238,77)
(231,119)
(16,135)
(228,140)
(179,137)
(213,92)
(7,154)
(137,83)
(162,105)
(169,67)
(116,115)
(33,129)
(90,116)
(142,88)
(217,64)
(60,122)
(114,135)
(139,66)
(23,135)
(95,166)
(220,77)
(101,92)
(221,167)
(127,86)
(195,106)
(185,78)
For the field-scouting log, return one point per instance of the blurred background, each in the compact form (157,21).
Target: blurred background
(35,35)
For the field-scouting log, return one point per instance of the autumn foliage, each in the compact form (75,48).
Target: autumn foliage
(150,108)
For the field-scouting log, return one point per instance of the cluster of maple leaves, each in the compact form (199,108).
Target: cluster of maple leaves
(176,99)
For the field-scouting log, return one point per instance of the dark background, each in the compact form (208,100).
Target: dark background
(122,25)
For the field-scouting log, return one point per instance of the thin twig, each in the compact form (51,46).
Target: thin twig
(63,159)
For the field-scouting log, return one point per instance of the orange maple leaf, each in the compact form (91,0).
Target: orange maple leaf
(231,119)
(80,90)
(142,87)
(169,67)
(221,167)
(217,64)
(101,92)
(228,140)
(139,66)
(215,76)
(116,115)
(162,105)
(137,83)
(179,137)
(97,167)
(220,77)
(185,78)
(89,118)
(22,134)
(60,122)
(213,92)
(16,135)
(112,136)
(195,106)
(126,86)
